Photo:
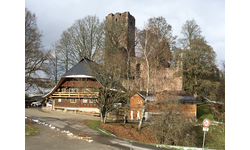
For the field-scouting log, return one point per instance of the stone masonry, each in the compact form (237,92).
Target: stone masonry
(123,26)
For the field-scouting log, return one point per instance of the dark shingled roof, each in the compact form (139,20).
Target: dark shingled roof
(188,99)
(82,68)
(183,96)
(90,68)
(87,68)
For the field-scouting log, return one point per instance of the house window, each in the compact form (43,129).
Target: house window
(63,90)
(71,89)
(85,90)
(85,100)
(72,100)
(182,103)
(93,100)
(75,89)
(59,100)
(190,103)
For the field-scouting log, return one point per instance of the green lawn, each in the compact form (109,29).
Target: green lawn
(30,130)
(215,137)
(203,112)
(93,124)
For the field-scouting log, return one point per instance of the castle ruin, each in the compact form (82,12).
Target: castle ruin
(120,43)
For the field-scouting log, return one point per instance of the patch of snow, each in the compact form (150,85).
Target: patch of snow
(207,100)
(105,132)
(181,147)
(77,76)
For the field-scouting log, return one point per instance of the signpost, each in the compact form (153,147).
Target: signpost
(206,124)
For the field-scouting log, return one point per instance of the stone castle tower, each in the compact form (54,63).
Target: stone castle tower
(119,41)
(120,35)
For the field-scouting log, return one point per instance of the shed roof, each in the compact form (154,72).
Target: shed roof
(151,96)
(188,99)
(183,96)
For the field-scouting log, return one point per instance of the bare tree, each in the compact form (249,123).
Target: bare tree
(35,56)
(144,37)
(111,91)
(190,30)
(54,70)
(64,52)
(85,38)
(151,42)
(170,125)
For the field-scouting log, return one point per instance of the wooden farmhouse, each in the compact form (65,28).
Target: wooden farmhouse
(154,105)
(78,88)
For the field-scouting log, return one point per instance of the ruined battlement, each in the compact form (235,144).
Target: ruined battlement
(120,29)
(120,15)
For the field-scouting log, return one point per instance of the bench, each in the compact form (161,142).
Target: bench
(59,108)
(71,109)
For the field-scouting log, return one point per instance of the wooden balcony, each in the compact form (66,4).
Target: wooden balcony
(75,94)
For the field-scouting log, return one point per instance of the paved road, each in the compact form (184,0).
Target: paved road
(51,140)
(54,139)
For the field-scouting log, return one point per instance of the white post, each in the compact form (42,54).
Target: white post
(131,114)
(137,114)
(203,140)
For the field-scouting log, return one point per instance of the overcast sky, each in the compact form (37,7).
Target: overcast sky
(55,16)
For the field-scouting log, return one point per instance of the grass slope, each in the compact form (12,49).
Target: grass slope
(30,130)
(215,137)
(203,112)
(95,124)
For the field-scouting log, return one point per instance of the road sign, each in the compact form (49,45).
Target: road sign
(205,128)
(206,122)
